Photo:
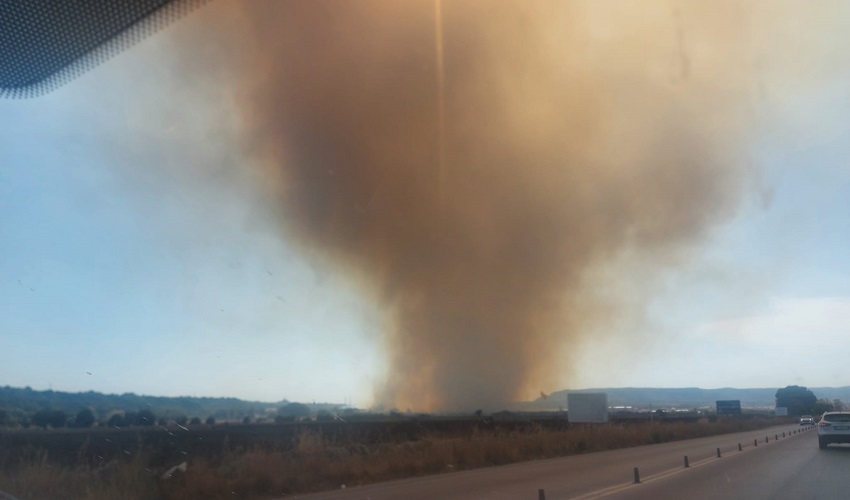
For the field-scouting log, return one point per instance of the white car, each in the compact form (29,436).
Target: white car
(834,427)
(807,420)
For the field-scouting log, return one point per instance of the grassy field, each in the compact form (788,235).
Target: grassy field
(266,461)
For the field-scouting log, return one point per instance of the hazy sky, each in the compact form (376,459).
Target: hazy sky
(135,258)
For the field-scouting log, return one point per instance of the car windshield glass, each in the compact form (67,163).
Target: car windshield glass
(272,216)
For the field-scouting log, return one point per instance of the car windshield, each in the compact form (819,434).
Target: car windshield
(288,213)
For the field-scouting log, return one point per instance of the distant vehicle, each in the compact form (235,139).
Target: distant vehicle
(834,427)
(807,420)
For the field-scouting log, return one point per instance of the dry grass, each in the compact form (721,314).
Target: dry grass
(318,463)
(37,479)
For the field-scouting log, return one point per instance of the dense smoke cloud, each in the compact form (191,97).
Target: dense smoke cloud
(571,132)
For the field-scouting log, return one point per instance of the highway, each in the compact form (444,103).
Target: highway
(791,470)
(787,467)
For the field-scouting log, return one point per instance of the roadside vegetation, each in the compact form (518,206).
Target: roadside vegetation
(93,446)
(276,460)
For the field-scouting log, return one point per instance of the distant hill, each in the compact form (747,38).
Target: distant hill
(15,401)
(684,398)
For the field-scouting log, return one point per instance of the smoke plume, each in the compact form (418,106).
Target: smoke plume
(467,163)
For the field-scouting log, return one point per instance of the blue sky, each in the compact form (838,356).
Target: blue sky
(115,277)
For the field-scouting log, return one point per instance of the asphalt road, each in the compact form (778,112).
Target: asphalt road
(793,469)
(792,466)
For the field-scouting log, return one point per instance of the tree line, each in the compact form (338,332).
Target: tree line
(20,402)
(800,400)
(86,418)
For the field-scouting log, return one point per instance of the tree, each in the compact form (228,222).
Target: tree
(131,418)
(40,418)
(837,404)
(145,417)
(324,416)
(296,410)
(195,421)
(54,418)
(13,418)
(799,400)
(210,420)
(116,420)
(58,419)
(820,406)
(84,419)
